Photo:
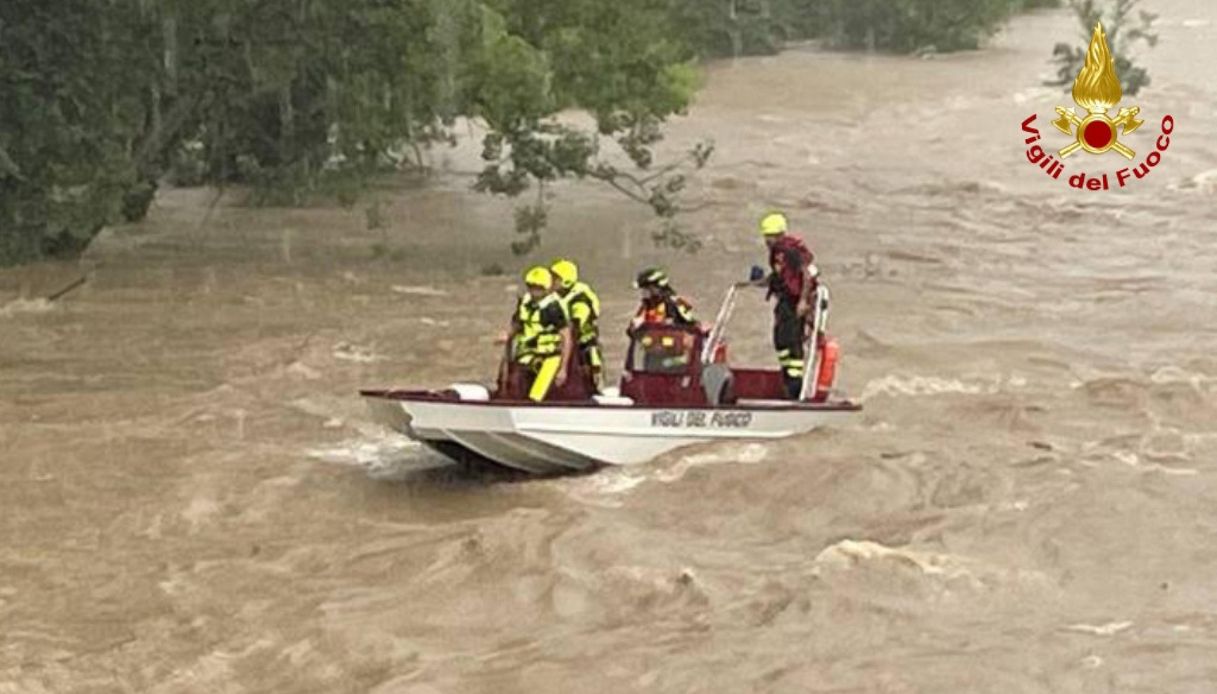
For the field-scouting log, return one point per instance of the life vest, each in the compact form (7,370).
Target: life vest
(671,310)
(790,260)
(583,306)
(540,325)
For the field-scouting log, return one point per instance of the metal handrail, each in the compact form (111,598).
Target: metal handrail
(719,329)
(819,324)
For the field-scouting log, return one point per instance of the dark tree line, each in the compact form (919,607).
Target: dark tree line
(747,27)
(100,101)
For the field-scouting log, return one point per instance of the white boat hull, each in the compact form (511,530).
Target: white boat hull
(555,438)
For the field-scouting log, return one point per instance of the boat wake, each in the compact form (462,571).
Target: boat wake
(383,455)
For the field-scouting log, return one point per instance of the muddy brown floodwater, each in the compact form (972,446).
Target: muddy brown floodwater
(192,499)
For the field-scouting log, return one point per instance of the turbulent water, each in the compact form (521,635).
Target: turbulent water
(192,499)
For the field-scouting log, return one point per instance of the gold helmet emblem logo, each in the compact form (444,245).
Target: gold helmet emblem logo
(1097,89)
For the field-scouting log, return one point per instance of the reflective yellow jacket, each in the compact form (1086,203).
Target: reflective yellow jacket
(583,307)
(539,327)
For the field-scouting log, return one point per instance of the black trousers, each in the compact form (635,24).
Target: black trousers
(788,332)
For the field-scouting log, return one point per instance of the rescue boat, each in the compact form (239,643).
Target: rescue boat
(676,390)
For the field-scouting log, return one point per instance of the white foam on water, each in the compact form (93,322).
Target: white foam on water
(22,686)
(1134,461)
(607,487)
(381,454)
(917,385)
(418,290)
(604,488)
(878,569)
(302,370)
(1034,95)
(1200,442)
(749,453)
(897,385)
(1109,629)
(1168,375)
(848,555)
(200,510)
(355,353)
(771,118)
(314,406)
(20,306)
(1203,182)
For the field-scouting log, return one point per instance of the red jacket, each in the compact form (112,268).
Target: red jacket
(789,259)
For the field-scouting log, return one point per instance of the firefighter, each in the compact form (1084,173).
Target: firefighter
(661,305)
(541,334)
(583,307)
(791,281)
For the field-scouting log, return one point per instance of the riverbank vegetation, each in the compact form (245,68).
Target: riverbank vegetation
(1124,30)
(104,101)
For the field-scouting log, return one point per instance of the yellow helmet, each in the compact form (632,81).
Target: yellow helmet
(773,224)
(539,277)
(566,272)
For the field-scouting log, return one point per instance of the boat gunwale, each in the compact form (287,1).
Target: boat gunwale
(440,398)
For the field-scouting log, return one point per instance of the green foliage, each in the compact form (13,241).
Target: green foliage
(752,27)
(287,92)
(905,26)
(738,27)
(617,61)
(298,98)
(303,98)
(73,151)
(1123,32)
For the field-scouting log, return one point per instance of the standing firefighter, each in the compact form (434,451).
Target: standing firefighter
(583,307)
(541,334)
(792,280)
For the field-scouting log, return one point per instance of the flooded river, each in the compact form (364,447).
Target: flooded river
(193,499)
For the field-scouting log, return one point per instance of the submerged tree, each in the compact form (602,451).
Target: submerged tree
(750,27)
(913,25)
(1123,32)
(621,62)
(75,126)
(102,99)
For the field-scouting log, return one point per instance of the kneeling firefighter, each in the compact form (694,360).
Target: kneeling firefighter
(541,336)
(583,307)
